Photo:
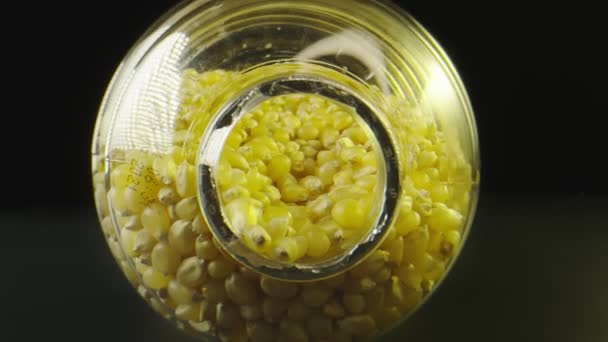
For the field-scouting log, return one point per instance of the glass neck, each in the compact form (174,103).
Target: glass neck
(290,77)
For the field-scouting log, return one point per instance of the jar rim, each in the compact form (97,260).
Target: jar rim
(313,83)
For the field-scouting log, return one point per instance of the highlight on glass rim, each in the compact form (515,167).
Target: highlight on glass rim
(285,171)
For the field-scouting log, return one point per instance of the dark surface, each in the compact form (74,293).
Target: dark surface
(534,269)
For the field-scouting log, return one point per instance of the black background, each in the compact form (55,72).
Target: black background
(535,267)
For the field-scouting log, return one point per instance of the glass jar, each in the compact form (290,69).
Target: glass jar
(271,169)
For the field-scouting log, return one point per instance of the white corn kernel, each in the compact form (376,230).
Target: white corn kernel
(187,209)
(179,293)
(144,242)
(278,288)
(164,258)
(240,290)
(181,237)
(191,272)
(167,195)
(185,180)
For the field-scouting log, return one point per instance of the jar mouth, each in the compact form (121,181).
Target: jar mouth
(298,77)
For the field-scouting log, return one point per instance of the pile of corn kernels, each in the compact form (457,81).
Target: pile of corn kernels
(297,178)
(154,227)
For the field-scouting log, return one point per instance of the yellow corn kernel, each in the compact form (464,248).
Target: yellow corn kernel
(278,167)
(342,120)
(433,174)
(257,238)
(325,156)
(280,135)
(364,171)
(342,144)
(421,179)
(354,303)
(329,136)
(352,154)
(415,245)
(349,214)
(318,243)
(294,193)
(313,184)
(395,250)
(327,171)
(343,177)
(235,159)
(382,275)
(260,130)
(308,132)
(320,206)
(347,191)
(427,159)
(308,167)
(439,192)
(242,213)
(223,173)
(256,181)
(291,121)
(234,192)
(315,296)
(260,150)
(272,192)
(369,159)
(367,182)
(273,309)
(356,134)
(358,325)
(235,139)
(286,249)
(444,219)
(407,222)
(371,265)
(332,229)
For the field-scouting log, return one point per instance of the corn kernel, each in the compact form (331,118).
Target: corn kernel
(445,219)
(318,243)
(185,180)
(279,166)
(164,258)
(294,193)
(278,288)
(155,219)
(349,214)
(308,132)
